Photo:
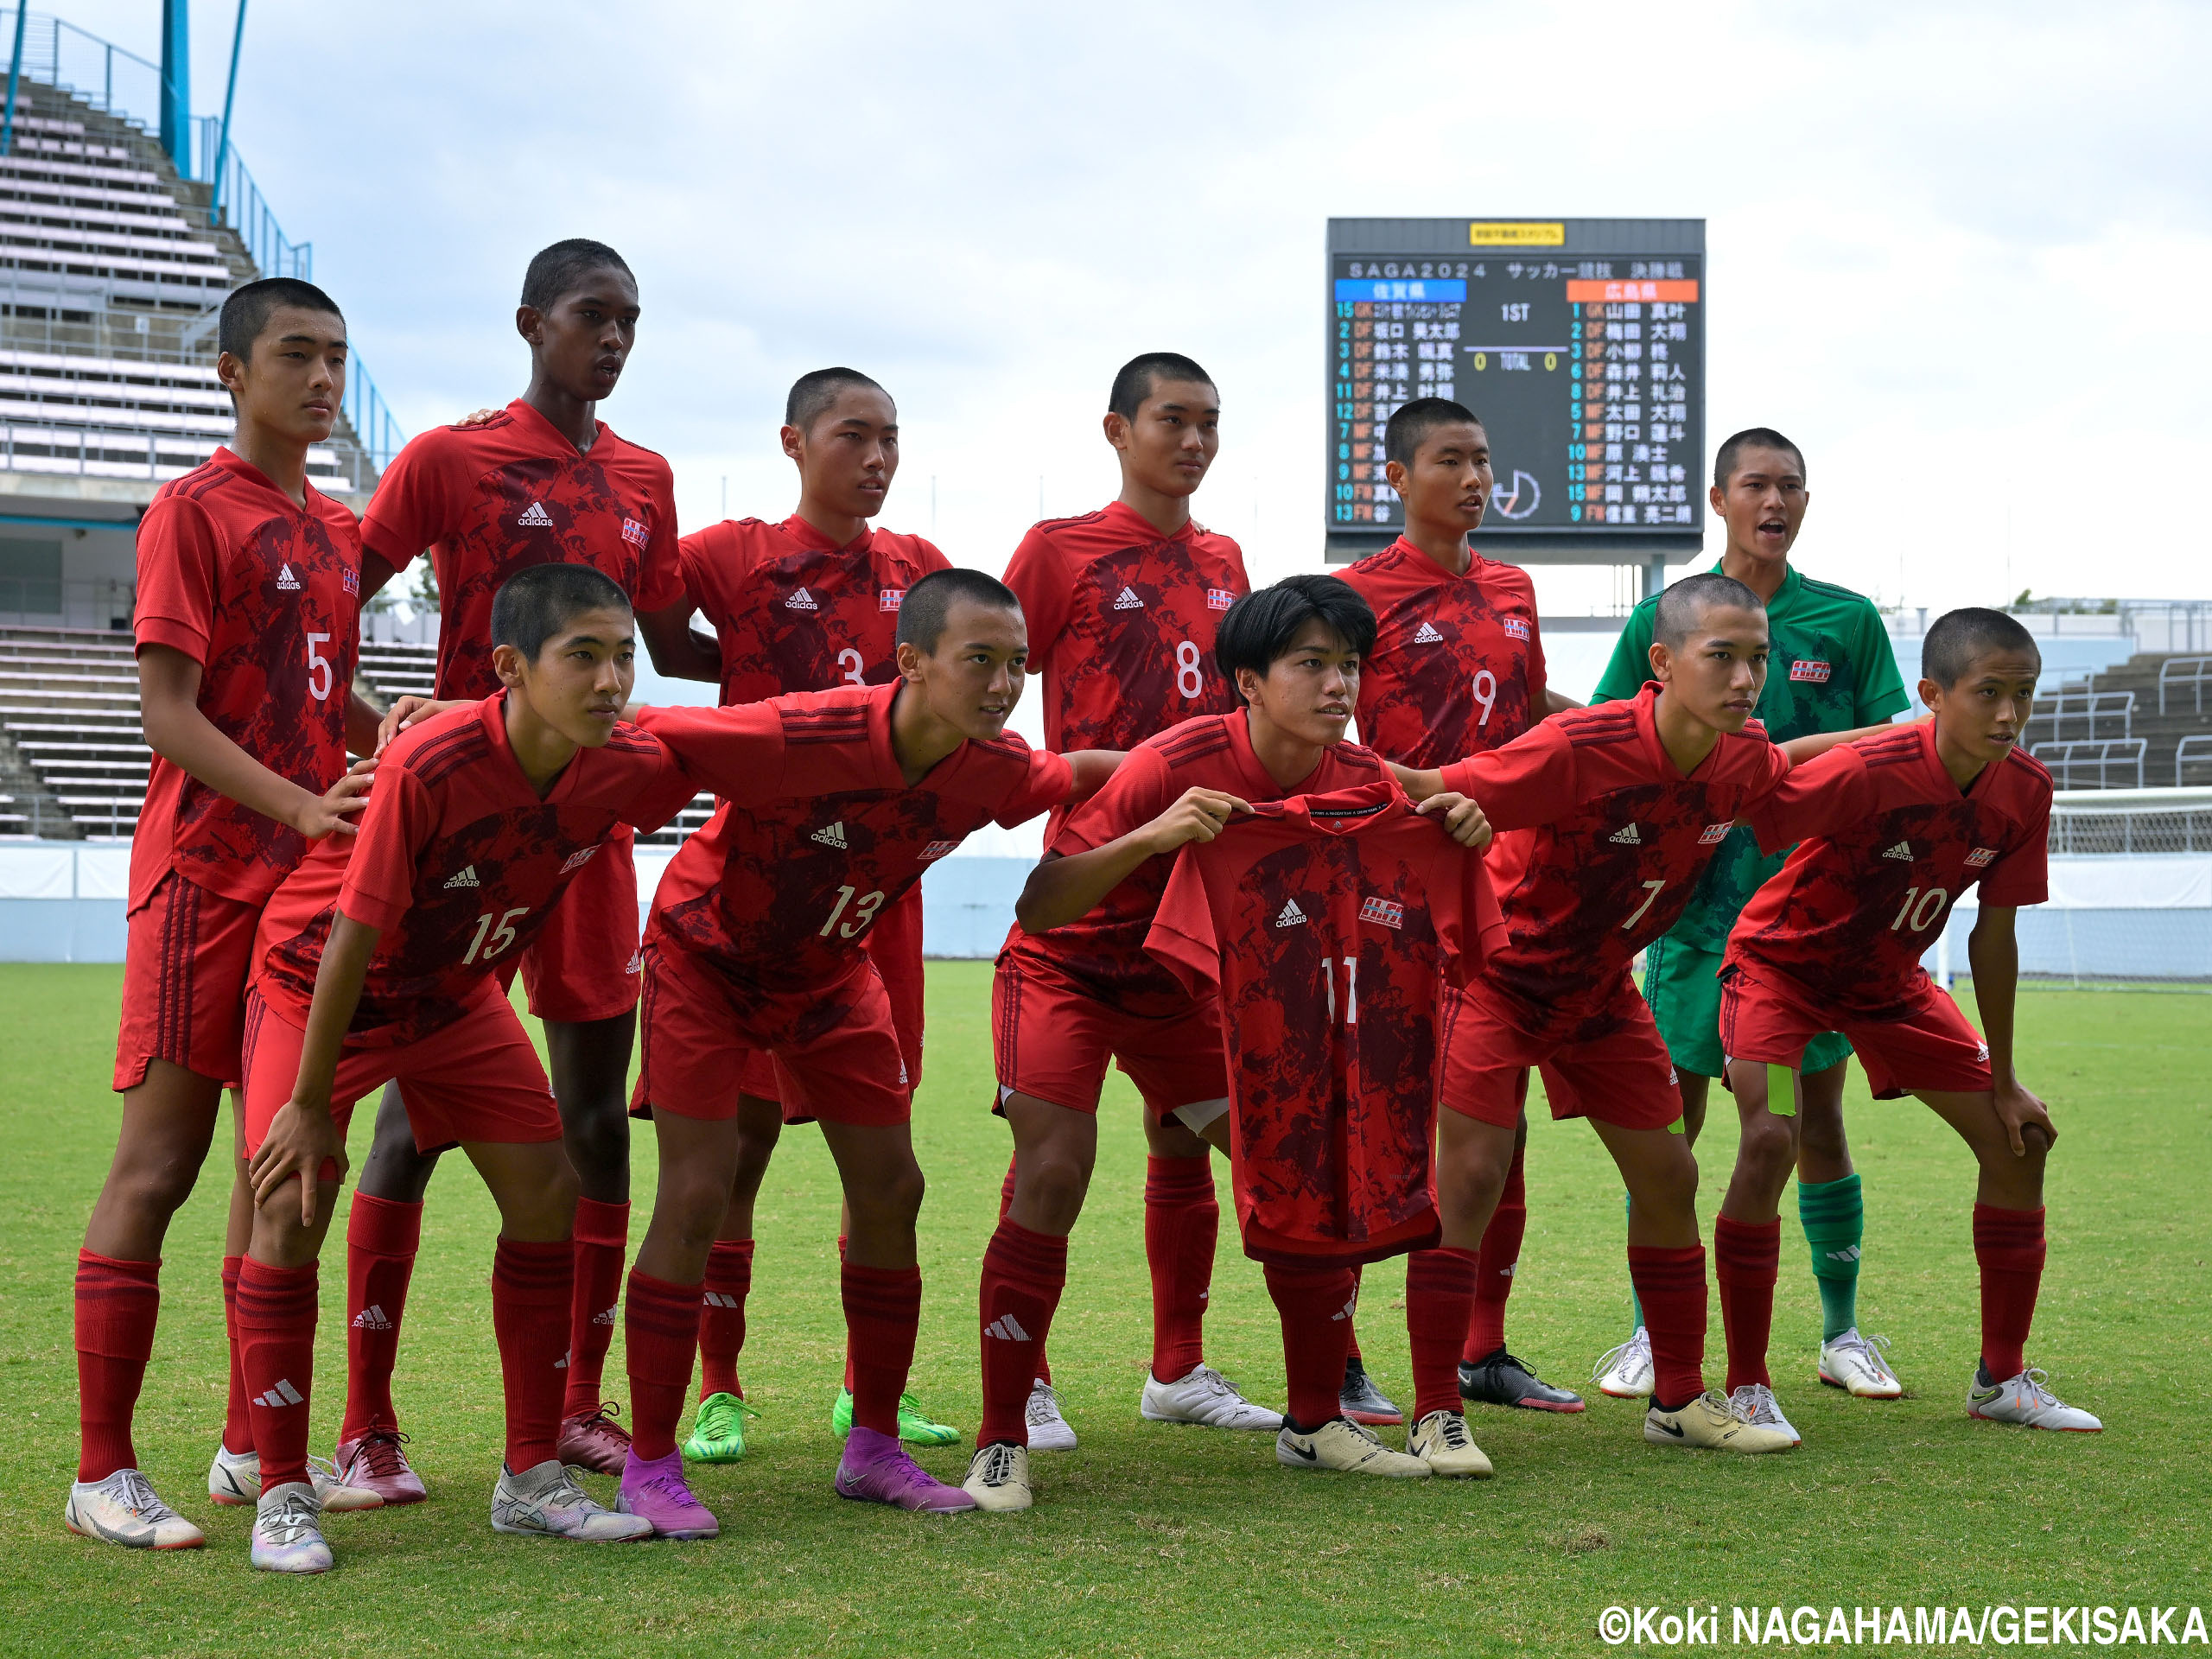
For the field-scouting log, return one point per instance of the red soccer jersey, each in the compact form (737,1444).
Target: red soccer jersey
(1599,843)
(492,500)
(1328,921)
(818,830)
(1457,666)
(266,595)
(1105,952)
(1120,624)
(459,862)
(1888,845)
(792,612)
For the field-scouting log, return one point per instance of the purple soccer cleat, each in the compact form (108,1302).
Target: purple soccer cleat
(656,1491)
(875,1469)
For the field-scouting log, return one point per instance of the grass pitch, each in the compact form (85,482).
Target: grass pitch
(1154,1540)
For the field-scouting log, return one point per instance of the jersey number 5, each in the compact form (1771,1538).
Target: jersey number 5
(491,939)
(320,676)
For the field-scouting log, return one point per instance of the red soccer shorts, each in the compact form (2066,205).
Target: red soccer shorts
(584,964)
(834,1052)
(185,970)
(478,1080)
(1052,1040)
(1929,1046)
(1619,1075)
(894,945)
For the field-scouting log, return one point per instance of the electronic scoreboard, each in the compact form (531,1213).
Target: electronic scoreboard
(1580,343)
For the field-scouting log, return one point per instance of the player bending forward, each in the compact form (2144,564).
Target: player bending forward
(833,804)
(1895,828)
(387,958)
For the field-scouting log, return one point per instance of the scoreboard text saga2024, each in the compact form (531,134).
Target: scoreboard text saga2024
(1580,344)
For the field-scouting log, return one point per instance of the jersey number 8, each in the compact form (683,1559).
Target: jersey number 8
(1190,679)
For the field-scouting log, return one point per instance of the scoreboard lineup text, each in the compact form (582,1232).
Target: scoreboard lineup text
(1581,351)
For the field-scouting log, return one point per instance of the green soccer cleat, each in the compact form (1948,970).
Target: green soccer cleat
(914,1425)
(718,1432)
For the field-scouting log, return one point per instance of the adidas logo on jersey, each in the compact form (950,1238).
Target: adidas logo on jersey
(890,599)
(1129,600)
(939,849)
(1810,672)
(282,1396)
(466,878)
(286,582)
(1427,635)
(1384,911)
(1627,837)
(635,533)
(637,962)
(801,600)
(577,860)
(1516,627)
(372,1318)
(833,836)
(537,518)
(1980,857)
(1715,834)
(1007,1328)
(1290,915)
(1219,599)
(1902,852)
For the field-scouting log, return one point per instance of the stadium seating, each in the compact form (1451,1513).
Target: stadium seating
(2123,728)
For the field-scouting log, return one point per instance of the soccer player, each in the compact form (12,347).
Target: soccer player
(1458,668)
(804,605)
(1833,670)
(832,802)
(1122,604)
(1894,829)
(543,481)
(249,581)
(388,959)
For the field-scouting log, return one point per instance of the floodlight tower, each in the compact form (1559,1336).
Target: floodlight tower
(176,83)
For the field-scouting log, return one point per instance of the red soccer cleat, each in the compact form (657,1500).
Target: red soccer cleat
(376,1463)
(592,1439)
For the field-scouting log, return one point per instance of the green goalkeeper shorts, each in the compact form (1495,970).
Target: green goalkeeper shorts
(1682,985)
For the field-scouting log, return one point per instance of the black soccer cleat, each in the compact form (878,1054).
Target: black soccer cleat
(1362,1401)
(1498,1379)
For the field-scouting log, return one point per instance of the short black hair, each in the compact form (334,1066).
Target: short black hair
(1956,638)
(1751,438)
(1257,631)
(922,613)
(1410,427)
(1684,602)
(559,268)
(810,394)
(246,312)
(1139,375)
(534,605)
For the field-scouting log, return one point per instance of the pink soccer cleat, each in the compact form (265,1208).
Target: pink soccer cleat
(656,1491)
(875,1469)
(376,1463)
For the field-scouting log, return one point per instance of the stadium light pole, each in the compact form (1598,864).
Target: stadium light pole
(230,97)
(176,83)
(15,74)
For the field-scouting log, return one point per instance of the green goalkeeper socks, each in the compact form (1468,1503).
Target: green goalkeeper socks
(1834,1215)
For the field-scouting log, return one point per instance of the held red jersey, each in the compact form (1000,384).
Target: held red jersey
(795,613)
(1330,923)
(1121,621)
(1599,843)
(1888,845)
(1457,667)
(266,595)
(1103,952)
(818,830)
(492,500)
(459,862)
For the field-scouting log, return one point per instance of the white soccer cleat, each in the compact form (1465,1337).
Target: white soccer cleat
(544,1500)
(1625,1372)
(2025,1400)
(1342,1443)
(1205,1397)
(998,1478)
(1048,1430)
(1755,1404)
(1440,1440)
(124,1510)
(288,1531)
(1855,1364)
(1709,1423)
(235,1478)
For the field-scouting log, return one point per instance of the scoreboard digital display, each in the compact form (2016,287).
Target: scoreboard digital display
(1580,343)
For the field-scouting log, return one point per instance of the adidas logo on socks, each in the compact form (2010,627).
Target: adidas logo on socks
(282,1396)
(372,1318)
(1006,1328)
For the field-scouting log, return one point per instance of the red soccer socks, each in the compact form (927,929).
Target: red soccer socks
(1182,1221)
(721,1315)
(117,1303)
(1316,1307)
(2008,1244)
(1670,1284)
(1024,1274)
(1744,1258)
(660,1333)
(238,1421)
(276,1318)
(602,1233)
(1500,1254)
(531,1288)
(883,1310)
(1439,1301)
(381,1239)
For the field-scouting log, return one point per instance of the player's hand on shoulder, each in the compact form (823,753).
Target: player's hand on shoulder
(1461,819)
(477,418)
(2020,1112)
(299,1141)
(409,711)
(332,812)
(1199,815)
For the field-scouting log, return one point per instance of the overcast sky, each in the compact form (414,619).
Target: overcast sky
(1954,251)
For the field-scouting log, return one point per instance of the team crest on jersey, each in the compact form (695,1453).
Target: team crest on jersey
(635,533)
(578,859)
(1715,834)
(537,518)
(286,582)
(801,600)
(937,849)
(1290,915)
(1979,857)
(1807,670)
(1129,600)
(1386,911)
(1516,627)
(1427,635)
(890,599)
(352,580)
(1219,599)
